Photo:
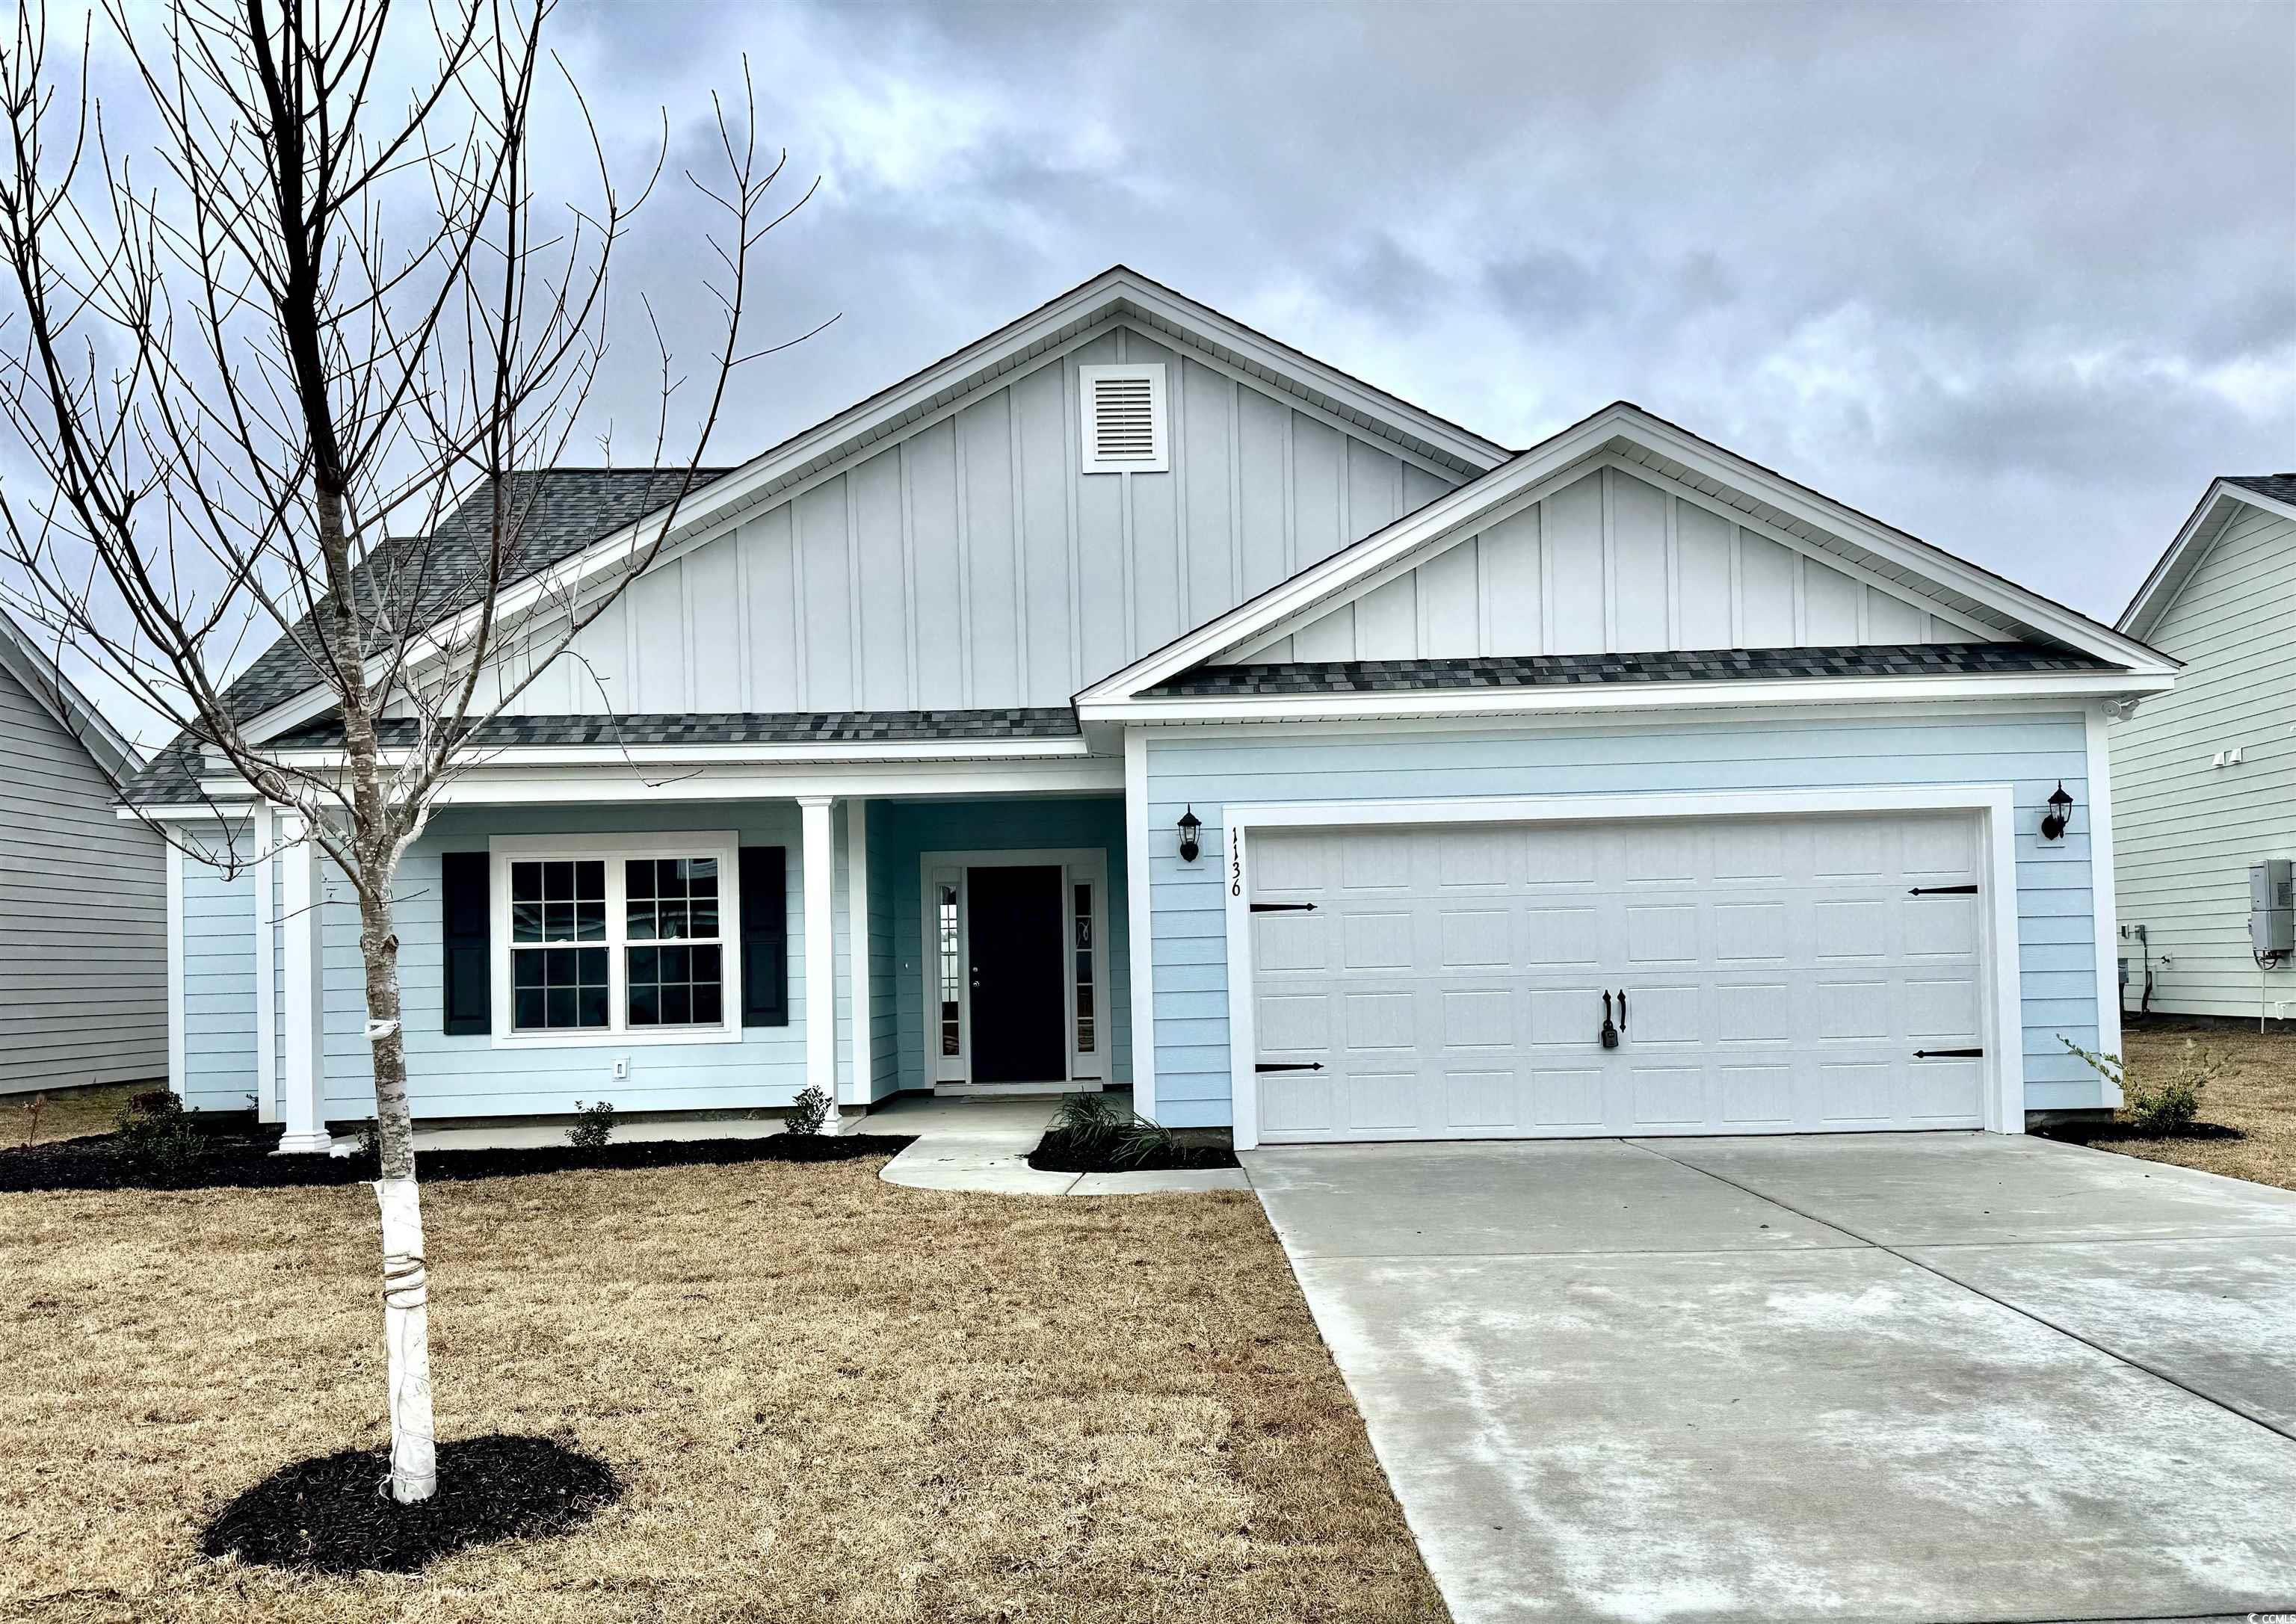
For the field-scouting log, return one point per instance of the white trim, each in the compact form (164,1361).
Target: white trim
(302,897)
(1465,509)
(1140,923)
(612,850)
(176,1029)
(266,1016)
(2168,575)
(2005,1107)
(818,843)
(2104,903)
(1079,866)
(1588,698)
(729,755)
(863,1049)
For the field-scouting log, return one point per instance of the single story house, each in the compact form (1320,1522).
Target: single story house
(1130,699)
(2207,773)
(84,955)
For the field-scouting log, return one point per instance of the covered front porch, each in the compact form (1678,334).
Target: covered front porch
(687,957)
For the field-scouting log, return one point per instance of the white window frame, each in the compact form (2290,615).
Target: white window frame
(1079,866)
(1159,419)
(613,849)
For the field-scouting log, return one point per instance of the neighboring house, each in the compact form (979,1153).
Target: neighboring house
(2206,774)
(1131,699)
(83,894)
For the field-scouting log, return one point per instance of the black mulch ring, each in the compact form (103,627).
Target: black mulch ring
(2108,1132)
(335,1514)
(1057,1153)
(234,1152)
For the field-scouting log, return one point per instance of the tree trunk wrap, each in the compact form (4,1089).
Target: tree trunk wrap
(406,1330)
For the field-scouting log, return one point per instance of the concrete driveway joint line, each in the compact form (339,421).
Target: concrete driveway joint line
(982,1146)
(2281,1426)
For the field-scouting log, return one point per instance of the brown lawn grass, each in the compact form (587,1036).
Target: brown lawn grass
(828,1398)
(63,1113)
(2256,1095)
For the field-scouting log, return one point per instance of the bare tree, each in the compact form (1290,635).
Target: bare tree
(336,308)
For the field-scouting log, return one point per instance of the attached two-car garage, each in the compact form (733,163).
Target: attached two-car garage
(1451,980)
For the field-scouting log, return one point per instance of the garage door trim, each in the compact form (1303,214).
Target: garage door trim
(1995,805)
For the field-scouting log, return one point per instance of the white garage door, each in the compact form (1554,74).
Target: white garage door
(1765,976)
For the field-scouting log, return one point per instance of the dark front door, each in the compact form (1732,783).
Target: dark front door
(1020,975)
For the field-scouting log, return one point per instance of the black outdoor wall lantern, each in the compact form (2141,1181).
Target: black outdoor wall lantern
(1189,824)
(2060,814)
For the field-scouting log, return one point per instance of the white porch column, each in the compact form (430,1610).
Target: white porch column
(266,1016)
(856,917)
(303,959)
(818,835)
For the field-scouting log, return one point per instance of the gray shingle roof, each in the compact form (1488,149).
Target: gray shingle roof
(558,513)
(728,728)
(1569,670)
(2279,486)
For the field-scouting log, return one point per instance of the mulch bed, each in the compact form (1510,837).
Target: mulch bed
(1057,1152)
(335,1515)
(235,1153)
(2107,1133)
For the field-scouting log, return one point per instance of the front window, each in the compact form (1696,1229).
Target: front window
(631,941)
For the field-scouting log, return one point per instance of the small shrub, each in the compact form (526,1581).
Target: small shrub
(2164,1105)
(807,1113)
(32,1119)
(1140,1141)
(1092,1124)
(155,1134)
(594,1126)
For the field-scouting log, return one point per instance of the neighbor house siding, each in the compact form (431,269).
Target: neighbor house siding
(2185,830)
(1205,770)
(969,564)
(914,829)
(82,915)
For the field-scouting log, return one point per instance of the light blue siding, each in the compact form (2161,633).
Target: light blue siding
(914,829)
(467,1075)
(2056,934)
(219,949)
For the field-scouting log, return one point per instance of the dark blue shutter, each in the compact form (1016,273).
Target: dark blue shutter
(764,936)
(466,910)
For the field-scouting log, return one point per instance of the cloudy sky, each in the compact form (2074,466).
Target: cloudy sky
(2019,280)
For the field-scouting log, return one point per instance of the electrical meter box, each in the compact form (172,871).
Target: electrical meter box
(2272,907)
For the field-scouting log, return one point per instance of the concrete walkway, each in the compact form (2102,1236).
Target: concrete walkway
(983,1144)
(1934,1377)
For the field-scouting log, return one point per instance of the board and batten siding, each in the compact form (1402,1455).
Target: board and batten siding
(82,915)
(2056,929)
(2185,830)
(970,564)
(1610,564)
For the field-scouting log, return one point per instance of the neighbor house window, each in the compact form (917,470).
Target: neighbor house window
(629,942)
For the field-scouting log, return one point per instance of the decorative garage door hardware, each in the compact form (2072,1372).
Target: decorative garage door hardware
(1947,1054)
(1942,890)
(1611,1033)
(1289,1065)
(1283,908)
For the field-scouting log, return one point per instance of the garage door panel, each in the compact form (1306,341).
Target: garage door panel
(1778,977)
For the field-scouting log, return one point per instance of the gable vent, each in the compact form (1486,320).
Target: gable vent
(1124,419)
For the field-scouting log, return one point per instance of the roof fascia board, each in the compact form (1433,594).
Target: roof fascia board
(1798,544)
(1594,698)
(57,694)
(1921,558)
(2199,533)
(614,782)
(688,755)
(1446,514)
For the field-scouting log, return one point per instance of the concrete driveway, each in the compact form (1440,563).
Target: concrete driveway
(1926,1377)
